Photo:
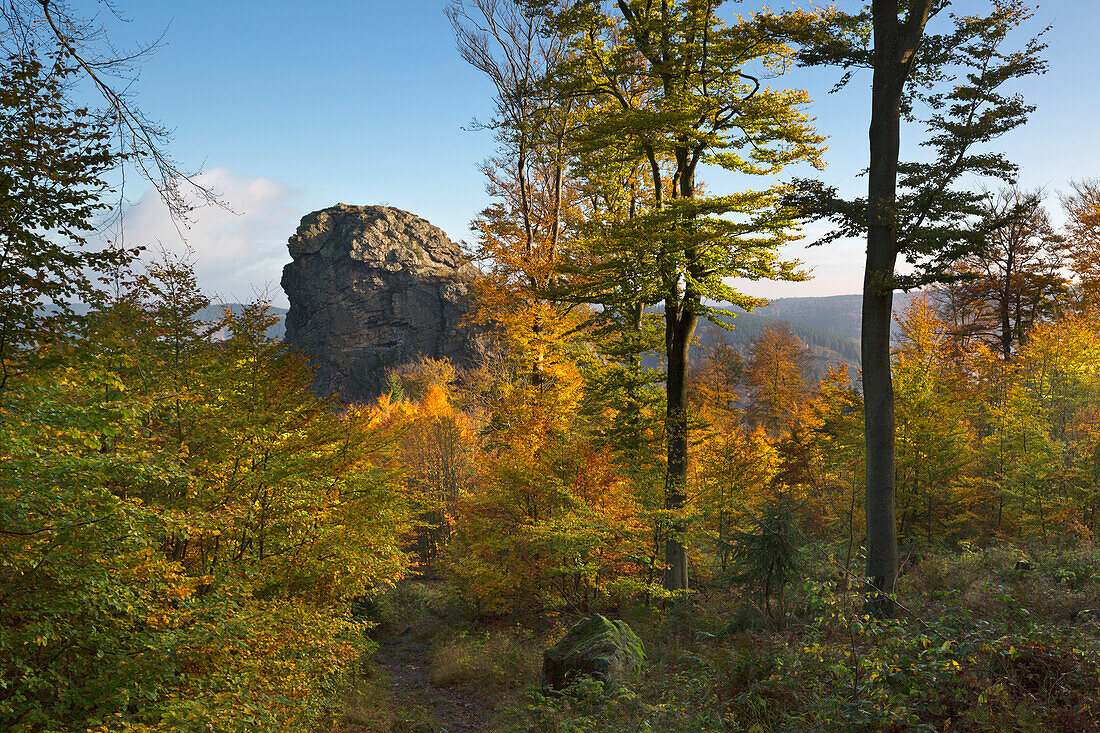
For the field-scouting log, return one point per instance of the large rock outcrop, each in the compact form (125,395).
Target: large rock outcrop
(373,287)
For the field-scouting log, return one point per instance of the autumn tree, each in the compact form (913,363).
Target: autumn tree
(60,160)
(55,156)
(180,538)
(704,99)
(610,175)
(436,457)
(915,210)
(1021,459)
(1082,207)
(934,438)
(736,468)
(775,379)
(550,520)
(1014,278)
(522,230)
(714,386)
(822,460)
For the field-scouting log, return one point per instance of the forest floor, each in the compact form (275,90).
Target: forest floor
(404,659)
(986,642)
(399,690)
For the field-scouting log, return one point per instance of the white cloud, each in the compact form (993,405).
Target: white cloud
(237,252)
(835,268)
(240,252)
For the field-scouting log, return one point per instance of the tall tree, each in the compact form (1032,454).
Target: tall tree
(1014,278)
(958,75)
(54,156)
(703,100)
(523,229)
(57,157)
(611,175)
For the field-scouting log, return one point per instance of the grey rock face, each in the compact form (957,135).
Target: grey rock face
(372,287)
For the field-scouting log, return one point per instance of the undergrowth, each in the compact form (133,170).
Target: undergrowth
(994,639)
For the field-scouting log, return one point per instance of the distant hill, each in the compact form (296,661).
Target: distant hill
(211,312)
(839,314)
(827,348)
(828,325)
(836,314)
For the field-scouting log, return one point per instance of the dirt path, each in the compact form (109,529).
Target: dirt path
(421,706)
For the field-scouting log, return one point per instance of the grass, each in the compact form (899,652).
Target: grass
(368,705)
(486,663)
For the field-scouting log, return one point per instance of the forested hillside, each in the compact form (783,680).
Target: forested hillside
(828,325)
(835,314)
(828,347)
(617,516)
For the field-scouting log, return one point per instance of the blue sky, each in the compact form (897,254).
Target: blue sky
(293,106)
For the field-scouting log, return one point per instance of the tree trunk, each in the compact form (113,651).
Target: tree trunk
(1006,298)
(679,330)
(681,318)
(878,298)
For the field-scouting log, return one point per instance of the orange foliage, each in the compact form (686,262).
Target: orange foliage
(1083,213)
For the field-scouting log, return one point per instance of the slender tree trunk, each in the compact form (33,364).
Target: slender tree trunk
(634,402)
(878,298)
(679,331)
(1006,322)
(681,318)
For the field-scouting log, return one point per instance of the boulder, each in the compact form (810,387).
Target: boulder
(609,651)
(374,287)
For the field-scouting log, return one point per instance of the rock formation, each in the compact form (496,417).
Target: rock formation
(610,651)
(373,287)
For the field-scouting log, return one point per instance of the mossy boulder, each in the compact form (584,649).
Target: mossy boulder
(608,651)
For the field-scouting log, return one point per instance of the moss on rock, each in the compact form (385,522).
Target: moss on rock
(609,651)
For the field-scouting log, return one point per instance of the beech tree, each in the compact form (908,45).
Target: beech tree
(57,157)
(522,231)
(934,440)
(168,499)
(704,99)
(610,173)
(53,159)
(713,386)
(1082,206)
(915,210)
(775,379)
